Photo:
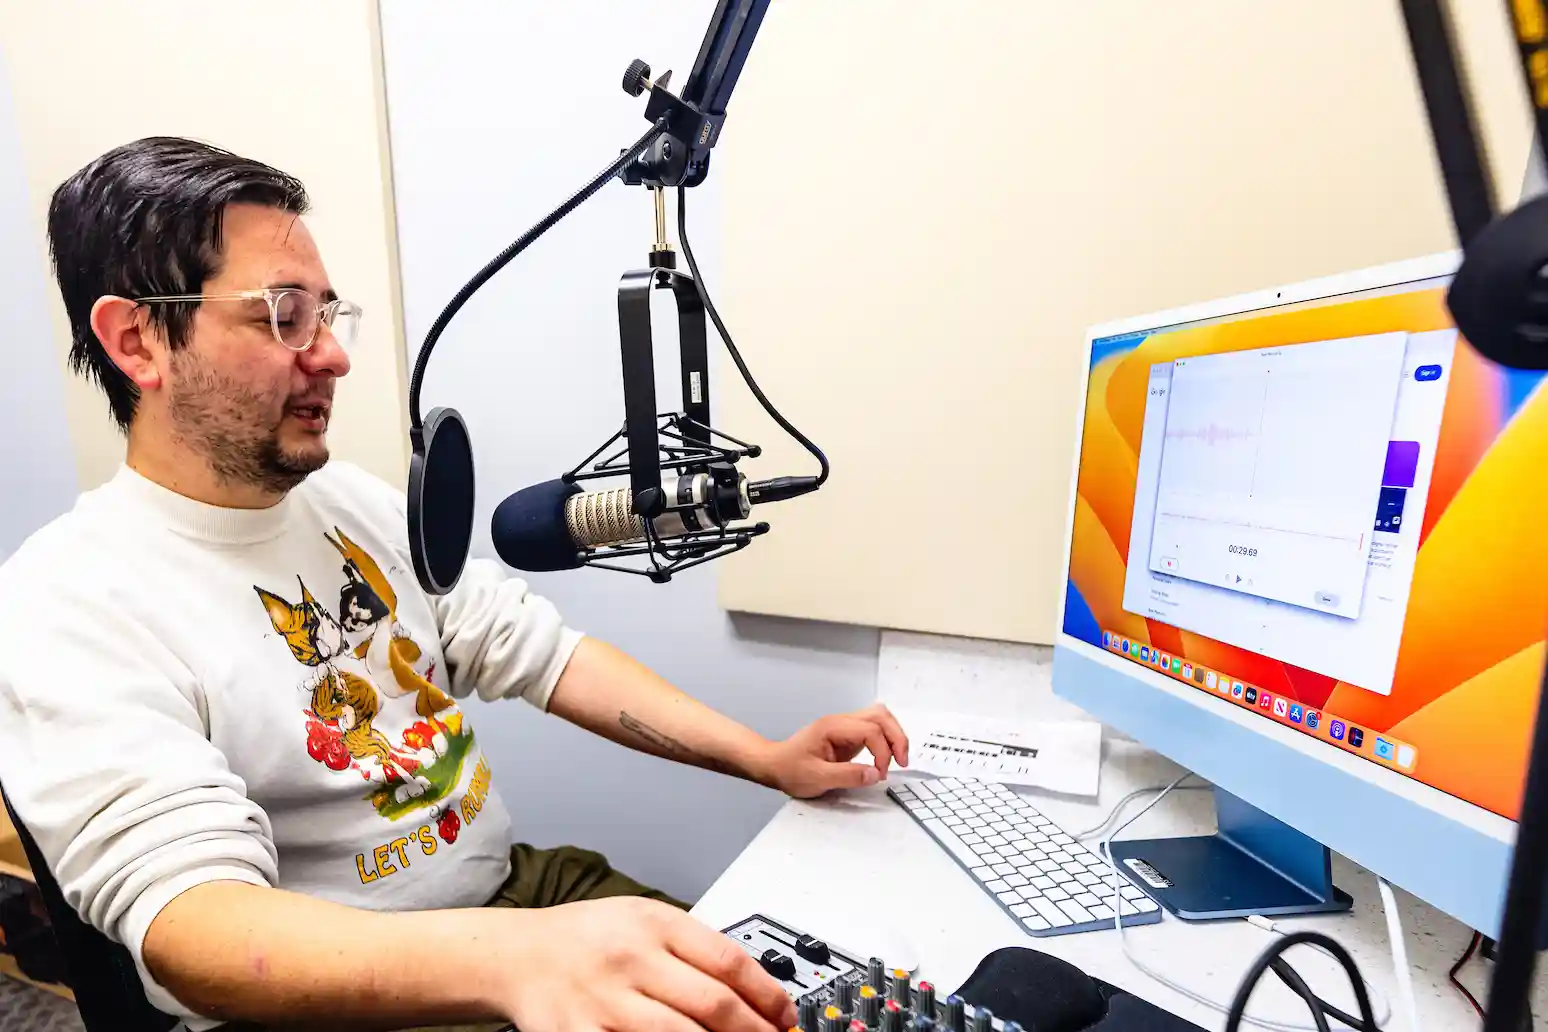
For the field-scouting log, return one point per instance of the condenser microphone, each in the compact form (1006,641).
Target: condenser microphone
(556,526)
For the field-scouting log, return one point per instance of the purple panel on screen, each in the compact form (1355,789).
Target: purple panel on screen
(1402,464)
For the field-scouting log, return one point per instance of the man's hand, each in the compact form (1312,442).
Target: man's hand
(629,963)
(816,759)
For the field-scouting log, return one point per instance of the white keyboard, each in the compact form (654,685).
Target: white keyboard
(1049,883)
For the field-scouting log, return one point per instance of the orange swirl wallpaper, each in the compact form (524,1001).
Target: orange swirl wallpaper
(1472,645)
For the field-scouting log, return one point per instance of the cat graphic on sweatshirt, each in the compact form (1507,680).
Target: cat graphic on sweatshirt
(365,669)
(341,699)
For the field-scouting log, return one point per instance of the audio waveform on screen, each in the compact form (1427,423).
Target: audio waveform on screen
(1211,434)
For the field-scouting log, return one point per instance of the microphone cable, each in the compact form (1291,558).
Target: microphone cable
(516,246)
(725,335)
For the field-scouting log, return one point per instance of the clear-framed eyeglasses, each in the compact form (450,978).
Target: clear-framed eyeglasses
(294,314)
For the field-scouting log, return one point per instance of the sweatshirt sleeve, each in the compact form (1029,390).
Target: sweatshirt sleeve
(500,638)
(104,758)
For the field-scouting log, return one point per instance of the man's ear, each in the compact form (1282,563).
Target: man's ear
(120,327)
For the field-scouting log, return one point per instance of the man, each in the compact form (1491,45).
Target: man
(231,719)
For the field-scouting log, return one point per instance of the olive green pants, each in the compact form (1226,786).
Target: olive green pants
(546,878)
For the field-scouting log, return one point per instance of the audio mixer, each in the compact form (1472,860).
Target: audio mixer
(837,992)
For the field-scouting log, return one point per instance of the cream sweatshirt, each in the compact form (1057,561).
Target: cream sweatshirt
(190,693)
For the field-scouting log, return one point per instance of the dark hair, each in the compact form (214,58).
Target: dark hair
(145,219)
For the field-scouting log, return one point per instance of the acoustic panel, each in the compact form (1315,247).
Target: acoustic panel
(926,206)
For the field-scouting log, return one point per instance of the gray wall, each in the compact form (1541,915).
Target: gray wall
(38,477)
(498,112)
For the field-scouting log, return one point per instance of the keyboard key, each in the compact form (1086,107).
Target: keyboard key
(1042,881)
(1056,893)
(1004,870)
(996,886)
(924,788)
(928,813)
(991,857)
(1133,892)
(1022,909)
(1078,913)
(1047,866)
(1051,913)
(1087,900)
(946,837)
(997,840)
(1016,881)
(981,873)
(1035,924)
(1101,913)
(1147,904)
(1009,898)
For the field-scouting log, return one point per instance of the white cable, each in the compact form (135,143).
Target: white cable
(1405,977)
(1105,848)
(1085,833)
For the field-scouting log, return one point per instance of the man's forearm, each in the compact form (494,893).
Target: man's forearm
(239,952)
(609,693)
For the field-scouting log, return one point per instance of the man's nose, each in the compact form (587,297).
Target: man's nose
(326,356)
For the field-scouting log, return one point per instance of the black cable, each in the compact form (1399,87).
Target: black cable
(725,335)
(1266,959)
(516,246)
(1467,955)
(1297,984)
(1282,968)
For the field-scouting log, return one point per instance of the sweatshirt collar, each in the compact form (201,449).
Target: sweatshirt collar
(201,520)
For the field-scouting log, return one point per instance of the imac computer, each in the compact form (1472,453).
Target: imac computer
(1306,560)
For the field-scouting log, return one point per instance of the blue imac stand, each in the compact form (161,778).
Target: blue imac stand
(1278,864)
(1253,865)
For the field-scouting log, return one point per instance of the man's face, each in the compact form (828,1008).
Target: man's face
(255,409)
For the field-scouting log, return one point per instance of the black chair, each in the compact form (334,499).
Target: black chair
(99,971)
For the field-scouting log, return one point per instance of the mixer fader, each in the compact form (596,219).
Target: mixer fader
(837,992)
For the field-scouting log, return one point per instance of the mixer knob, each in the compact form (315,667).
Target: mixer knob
(956,1017)
(858,1026)
(778,965)
(924,1002)
(983,1019)
(808,1015)
(1012,1026)
(923,1023)
(846,997)
(892,1017)
(832,1020)
(901,987)
(876,976)
(870,1006)
(814,950)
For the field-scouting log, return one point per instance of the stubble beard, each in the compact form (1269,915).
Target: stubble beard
(232,427)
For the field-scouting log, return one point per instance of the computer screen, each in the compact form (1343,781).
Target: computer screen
(1330,514)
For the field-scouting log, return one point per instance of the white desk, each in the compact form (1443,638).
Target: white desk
(859,854)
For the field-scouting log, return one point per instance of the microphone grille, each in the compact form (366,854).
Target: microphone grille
(602,518)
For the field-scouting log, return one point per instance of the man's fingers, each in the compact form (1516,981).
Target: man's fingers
(853,731)
(896,737)
(726,962)
(877,743)
(641,1012)
(709,1002)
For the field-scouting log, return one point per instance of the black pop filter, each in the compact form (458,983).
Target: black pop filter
(1499,295)
(440,500)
